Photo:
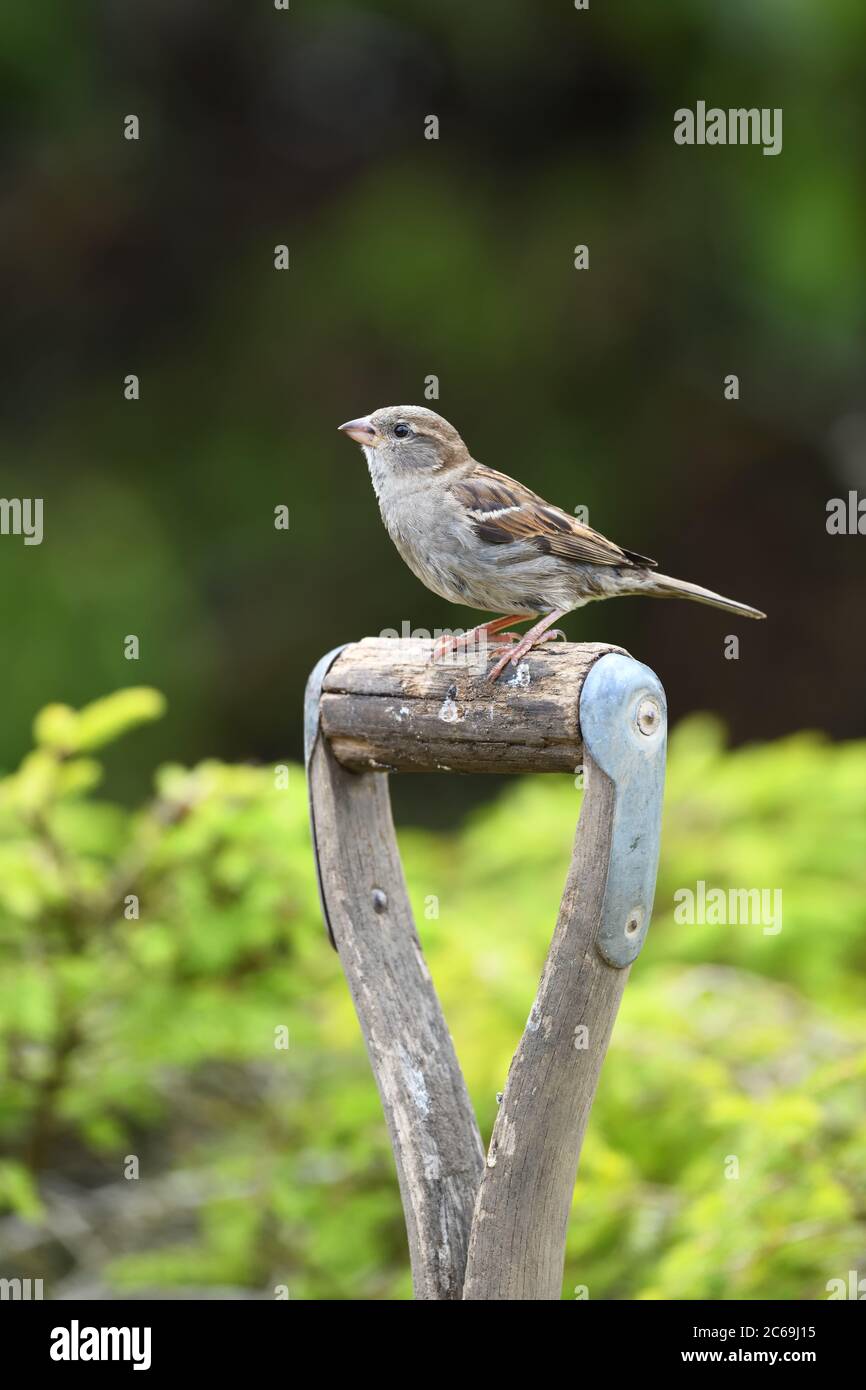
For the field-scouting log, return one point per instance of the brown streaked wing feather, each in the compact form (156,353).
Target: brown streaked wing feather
(503,511)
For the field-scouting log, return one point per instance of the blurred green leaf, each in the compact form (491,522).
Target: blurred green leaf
(105,720)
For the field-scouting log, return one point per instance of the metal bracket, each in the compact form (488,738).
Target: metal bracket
(623,720)
(312,701)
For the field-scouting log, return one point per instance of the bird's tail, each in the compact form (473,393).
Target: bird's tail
(662,586)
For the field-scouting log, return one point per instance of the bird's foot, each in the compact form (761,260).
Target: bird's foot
(450,644)
(505,641)
(476,639)
(525,645)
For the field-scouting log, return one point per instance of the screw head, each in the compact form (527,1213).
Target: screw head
(649,716)
(380,901)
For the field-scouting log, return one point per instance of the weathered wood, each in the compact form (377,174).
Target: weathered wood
(384,704)
(432,1126)
(518,1235)
(387,706)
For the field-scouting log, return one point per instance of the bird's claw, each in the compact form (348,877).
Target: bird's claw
(500,666)
(467,643)
(475,643)
(522,649)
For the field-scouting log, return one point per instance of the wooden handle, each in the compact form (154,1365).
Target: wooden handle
(496,1230)
(387,706)
(434,1134)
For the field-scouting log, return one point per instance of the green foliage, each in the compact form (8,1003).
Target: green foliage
(153,1030)
(62,729)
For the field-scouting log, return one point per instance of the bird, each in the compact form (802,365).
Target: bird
(478,537)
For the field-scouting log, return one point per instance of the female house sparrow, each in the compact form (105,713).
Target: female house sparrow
(477,537)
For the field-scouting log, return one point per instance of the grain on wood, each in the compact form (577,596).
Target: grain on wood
(387,706)
(432,1126)
(517,1246)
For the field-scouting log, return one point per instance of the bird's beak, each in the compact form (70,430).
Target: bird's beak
(360,430)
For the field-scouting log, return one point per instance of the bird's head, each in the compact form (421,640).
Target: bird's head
(406,441)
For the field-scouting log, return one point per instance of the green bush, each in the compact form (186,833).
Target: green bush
(151,958)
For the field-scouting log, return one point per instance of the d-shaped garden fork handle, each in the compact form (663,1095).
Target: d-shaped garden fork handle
(489,1228)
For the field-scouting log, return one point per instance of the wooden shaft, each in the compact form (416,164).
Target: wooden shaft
(388,706)
(517,1245)
(432,1126)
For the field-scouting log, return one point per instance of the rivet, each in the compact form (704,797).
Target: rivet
(648,717)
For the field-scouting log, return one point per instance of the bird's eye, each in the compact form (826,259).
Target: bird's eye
(402,431)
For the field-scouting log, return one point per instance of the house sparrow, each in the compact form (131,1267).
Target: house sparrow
(477,537)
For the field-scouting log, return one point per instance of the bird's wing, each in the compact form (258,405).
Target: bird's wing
(501,510)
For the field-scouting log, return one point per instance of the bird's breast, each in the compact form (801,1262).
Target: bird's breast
(438,543)
(426,543)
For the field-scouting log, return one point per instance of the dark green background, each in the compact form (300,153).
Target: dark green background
(412,257)
(154,1036)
